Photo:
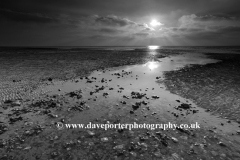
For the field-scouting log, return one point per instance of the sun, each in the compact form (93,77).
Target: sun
(155,23)
(153,47)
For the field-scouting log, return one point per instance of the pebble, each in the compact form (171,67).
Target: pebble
(222,144)
(144,145)
(158,154)
(121,146)
(104,139)
(16,103)
(214,153)
(133,154)
(223,155)
(238,131)
(175,156)
(27,148)
(155,97)
(91,133)
(174,139)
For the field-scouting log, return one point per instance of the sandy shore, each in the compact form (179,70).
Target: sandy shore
(125,95)
(24,70)
(214,87)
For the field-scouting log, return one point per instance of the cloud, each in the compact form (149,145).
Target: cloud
(146,27)
(215,17)
(112,20)
(205,20)
(110,31)
(119,26)
(208,26)
(27,17)
(116,21)
(141,34)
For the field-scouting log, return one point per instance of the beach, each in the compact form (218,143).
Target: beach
(43,89)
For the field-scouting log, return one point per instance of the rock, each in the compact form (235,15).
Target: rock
(104,139)
(120,130)
(58,105)
(28,123)
(191,151)
(27,148)
(175,156)
(3,128)
(174,139)
(54,154)
(184,130)
(184,106)
(105,94)
(135,107)
(133,154)
(91,133)
(16,103)
(223,155)
(127,97)
(144,145)
(164,142)
(144,102)
(238,131)
(158,154)
(184,137)
(52,115)
(118,147)
(137,95)
(155,97)
(195,111)
(214,153)
(131,112)
(13,120)
(123,102)
(50,79)
(222,144)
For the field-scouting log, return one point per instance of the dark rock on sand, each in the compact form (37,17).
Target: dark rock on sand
(184,106)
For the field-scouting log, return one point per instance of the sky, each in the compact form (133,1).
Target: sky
(119,22)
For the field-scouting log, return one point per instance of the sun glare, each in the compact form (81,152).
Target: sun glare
(153,47)
(155,23)
(152,65)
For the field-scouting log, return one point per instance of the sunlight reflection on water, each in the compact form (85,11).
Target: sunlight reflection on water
(152,65)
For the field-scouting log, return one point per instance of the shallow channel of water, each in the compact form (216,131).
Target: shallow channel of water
(122,81)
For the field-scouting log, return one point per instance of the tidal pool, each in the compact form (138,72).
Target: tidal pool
(105,90)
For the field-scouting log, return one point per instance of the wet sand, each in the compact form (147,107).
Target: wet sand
(141,93)
(25,69)
(214,87)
